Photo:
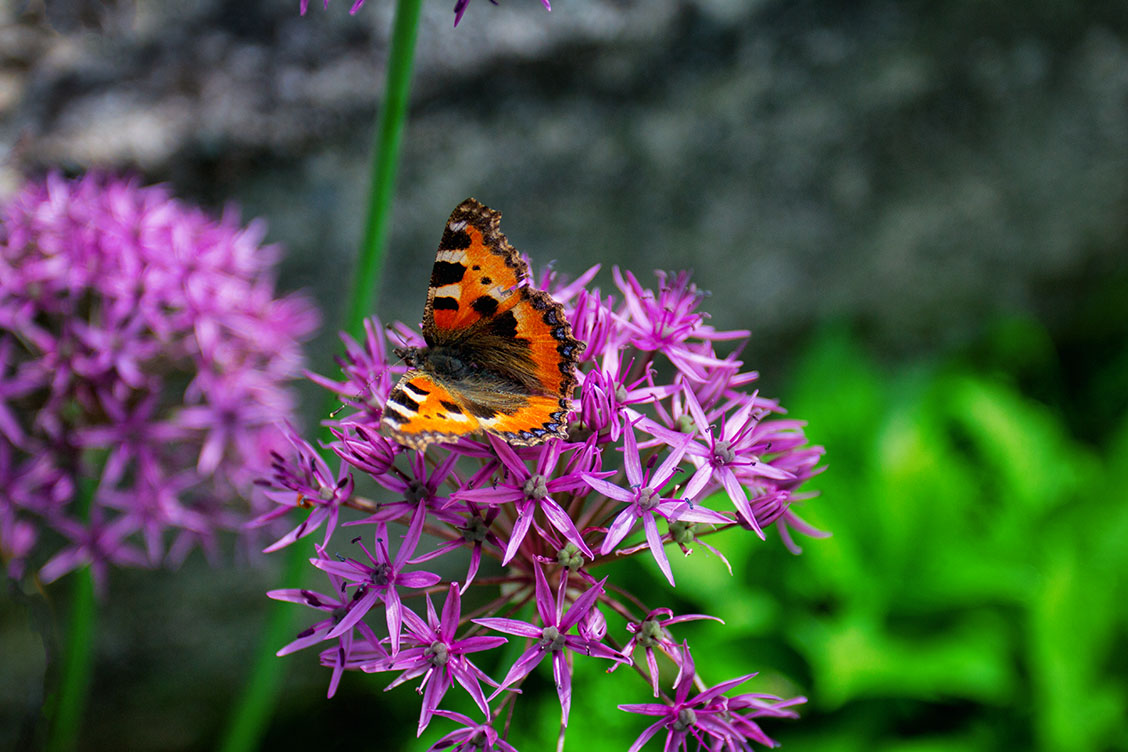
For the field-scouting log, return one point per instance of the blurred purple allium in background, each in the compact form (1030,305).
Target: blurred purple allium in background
(144,356)
(669,443)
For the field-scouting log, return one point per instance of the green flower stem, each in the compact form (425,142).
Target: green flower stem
(252,713)
(385,165)
(78,654)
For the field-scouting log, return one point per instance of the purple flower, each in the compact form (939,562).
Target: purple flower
(608,393)
(435,654)
(475,532)
(644,500)
(132,437)
(736,446)
(665,322)
(371,453)
(651,633)
(381,578)
(472,737)
(304,482)
(664,417)
(369,376)
(421,487)
(96,544)
(142,351)
(529,491)
(710,719)
(552,636)
(337,606)
(593,322)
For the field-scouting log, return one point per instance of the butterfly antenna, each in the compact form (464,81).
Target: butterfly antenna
(404,348)
(392,331)
(358,397)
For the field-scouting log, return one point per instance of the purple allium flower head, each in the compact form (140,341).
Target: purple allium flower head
(143,353)
(337,605)
(472,737)
(737,445)
(652,634)
(644,500)
(369,376)
(529,491)
(304,480)
(668,444)
(711,719)
(381,578)
(435,654)
(551,635)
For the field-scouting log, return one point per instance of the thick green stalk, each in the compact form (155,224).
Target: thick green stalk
(249,720)
(252,714)
(385,165)
(78,654)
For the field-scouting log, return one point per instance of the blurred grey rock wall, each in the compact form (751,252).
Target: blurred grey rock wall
(918,167)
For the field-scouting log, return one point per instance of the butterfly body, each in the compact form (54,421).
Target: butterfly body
(499,357)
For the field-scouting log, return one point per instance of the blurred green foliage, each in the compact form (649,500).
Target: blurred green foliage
(973,594)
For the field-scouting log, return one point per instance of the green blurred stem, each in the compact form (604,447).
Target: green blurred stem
(78,655)
(252,714)
(385,164)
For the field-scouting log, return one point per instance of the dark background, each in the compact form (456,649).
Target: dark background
(939,185)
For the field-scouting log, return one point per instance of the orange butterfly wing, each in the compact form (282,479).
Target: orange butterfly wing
(477,273)
(421,411)
(500,356)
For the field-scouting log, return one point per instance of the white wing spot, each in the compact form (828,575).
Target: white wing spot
(397,407)
(450,256)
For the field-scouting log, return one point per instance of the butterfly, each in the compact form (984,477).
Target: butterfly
(499,357)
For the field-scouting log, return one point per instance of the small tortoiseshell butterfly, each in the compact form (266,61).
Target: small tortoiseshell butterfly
(500,357)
